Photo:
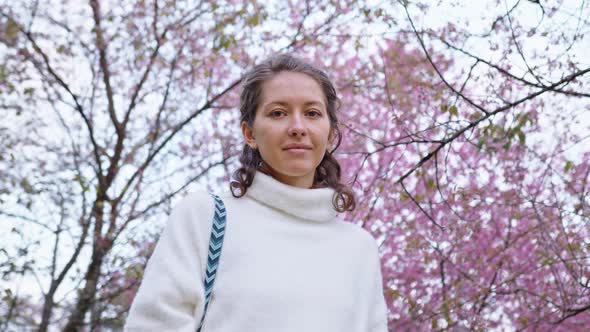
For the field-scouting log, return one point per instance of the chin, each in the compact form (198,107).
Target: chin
(293,169)
(296,171)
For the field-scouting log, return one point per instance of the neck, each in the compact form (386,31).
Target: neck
(295,181)
(311,204)
(303,181)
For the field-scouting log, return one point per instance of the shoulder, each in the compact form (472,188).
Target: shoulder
(194,198)
(362,237)
(361,247)
(193,201)
(192,210)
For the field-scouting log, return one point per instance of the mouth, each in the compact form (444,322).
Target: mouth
(297,147)
(296,150)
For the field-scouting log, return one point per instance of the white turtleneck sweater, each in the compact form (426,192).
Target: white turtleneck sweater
(287,264)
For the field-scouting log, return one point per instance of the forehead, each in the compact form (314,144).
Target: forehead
(291,87)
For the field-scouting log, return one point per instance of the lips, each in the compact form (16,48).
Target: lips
(297,146)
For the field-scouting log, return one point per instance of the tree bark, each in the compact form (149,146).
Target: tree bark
(47,309)
(99,250)
(86,297)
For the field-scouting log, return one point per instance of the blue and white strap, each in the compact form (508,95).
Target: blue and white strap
(215,245)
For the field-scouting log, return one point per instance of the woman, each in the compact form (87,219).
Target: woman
(288,263)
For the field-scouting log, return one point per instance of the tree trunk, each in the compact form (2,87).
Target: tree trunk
(47,309)
(86,297)
(94,316)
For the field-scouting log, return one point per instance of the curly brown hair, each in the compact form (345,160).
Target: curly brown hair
(328,172)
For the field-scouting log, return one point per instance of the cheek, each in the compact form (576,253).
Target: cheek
(267,138)
(323,133)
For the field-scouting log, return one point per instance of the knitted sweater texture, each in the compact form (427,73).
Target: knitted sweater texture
(288,264)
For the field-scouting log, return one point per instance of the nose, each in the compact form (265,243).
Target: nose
(297,126)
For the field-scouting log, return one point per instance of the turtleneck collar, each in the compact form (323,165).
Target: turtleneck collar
(310,204)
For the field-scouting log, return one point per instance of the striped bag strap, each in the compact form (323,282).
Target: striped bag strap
(215,245)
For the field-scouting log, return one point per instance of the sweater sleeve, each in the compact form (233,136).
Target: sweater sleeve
(378,308)
(171,293)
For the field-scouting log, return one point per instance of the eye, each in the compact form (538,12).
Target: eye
(276,113)
(313,113)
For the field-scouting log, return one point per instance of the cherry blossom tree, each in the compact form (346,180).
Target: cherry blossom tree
(461,141)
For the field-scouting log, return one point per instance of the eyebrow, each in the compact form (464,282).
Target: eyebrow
(284,104)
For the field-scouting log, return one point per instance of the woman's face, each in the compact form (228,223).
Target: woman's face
(291,128)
